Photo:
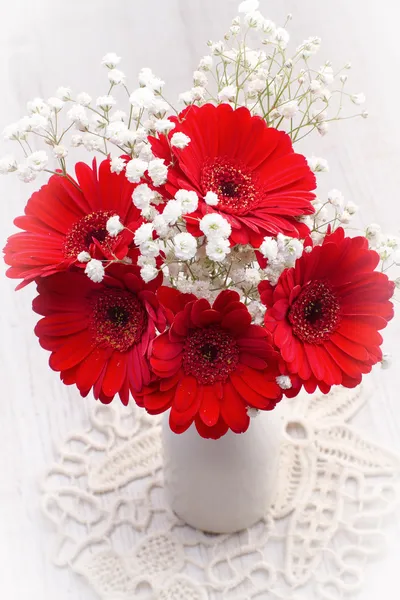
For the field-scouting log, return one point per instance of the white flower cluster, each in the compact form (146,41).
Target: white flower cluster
(96,124)
(387,246)
(281,253)
(280,85)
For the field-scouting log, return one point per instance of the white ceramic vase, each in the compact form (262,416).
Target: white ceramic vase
(224,485)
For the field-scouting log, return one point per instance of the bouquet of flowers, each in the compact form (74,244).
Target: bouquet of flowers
(192,267)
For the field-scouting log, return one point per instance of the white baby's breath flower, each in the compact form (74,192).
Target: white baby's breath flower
(116,76)
(148,273)
(64,93)
(60,151)
(111,60)
(188,200)
(282,37)
(293,250)
(115,131)
(8,164)
(386,361)
(215,226)
(198,93)
(172,212)
(158,108)
(323,128)
(309,47)
(25,173)
(269,28)
(248,6)
(76,140)
(150,248)
(144,261)
(358,98)
(373,233)
(83,257)
(217,249)
(318,115)
(325,95)
(253,276)
(105,102)
(117,165)
(284,382)
(55,104)
(252,412)
(315,87)
(83,99)
(92,142)
(269,248)
(13,132)
(335,197)
(326,74)
(158,171)
(217,48)
(37,161)
(186,97)
(160,225)
(135,170)
(180,140)
(255,20)
(37,122)
(185,246)
(206,63)
(149,80)
(163,125)
(149,212)
(99,122)
(114,226)
(144,233)
(289,109)
(352,208)
(142,98)
(38,106)
(345,217)
(95,270)
(199,78)
(211,198)
(77,114)
(318,164)
(227,93)
(255,87)
(117,115)
(142,196)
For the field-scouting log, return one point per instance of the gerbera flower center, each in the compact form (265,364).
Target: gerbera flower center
(315,314)
(85,231)
(235,186)
(210,355)
(118,318)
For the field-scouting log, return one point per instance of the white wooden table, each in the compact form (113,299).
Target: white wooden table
(47,43)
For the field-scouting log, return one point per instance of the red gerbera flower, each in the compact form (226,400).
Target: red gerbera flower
(262,185)
(212,365)
(99,335)
(325,313)
(65,218)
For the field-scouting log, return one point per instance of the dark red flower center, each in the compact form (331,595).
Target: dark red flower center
(235,186)
(315,314)
(118,318)
(210,355)
(85,231)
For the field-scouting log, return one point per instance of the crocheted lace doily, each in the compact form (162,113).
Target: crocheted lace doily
(105,497)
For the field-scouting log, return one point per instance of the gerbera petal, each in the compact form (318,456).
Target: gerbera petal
(233,409)
(210,407)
